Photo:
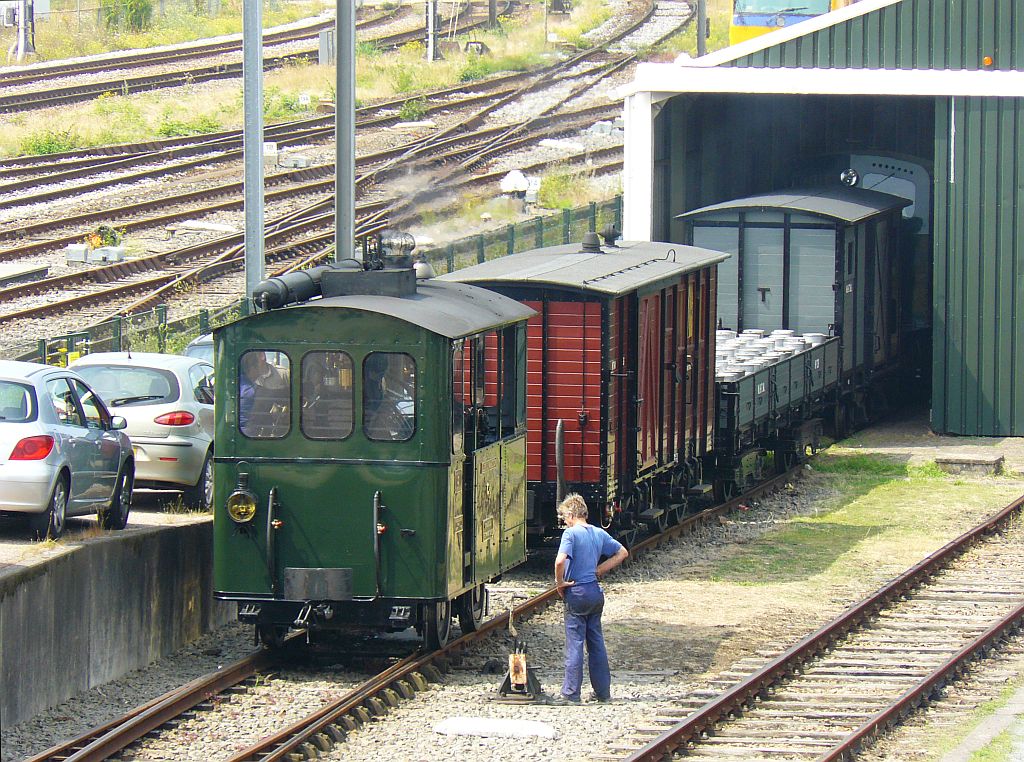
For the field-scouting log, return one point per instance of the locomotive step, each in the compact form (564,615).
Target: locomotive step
(700,489)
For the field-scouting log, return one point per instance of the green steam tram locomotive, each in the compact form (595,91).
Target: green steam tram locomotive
(371,451)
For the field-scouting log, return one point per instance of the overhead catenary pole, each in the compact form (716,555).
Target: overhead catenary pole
(252,140)
(22,30)
(431,23)
(702,27)
(345,133)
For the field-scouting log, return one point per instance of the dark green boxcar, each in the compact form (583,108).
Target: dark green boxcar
(360,495)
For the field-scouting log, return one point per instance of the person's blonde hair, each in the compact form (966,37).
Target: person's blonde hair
(573,506)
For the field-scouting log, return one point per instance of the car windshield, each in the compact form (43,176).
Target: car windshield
(123,385)
(17,402)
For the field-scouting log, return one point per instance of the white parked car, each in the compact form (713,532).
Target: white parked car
(62,453)
(168,403)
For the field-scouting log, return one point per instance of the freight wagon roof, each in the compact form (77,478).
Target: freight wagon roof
(615,270)
(839,203)
(452,310)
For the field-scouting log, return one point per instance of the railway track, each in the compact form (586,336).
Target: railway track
(115,282)
(830,694)
(402,679)
(445,149)
(469,18)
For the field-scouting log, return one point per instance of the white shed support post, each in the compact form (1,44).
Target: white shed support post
(638,167)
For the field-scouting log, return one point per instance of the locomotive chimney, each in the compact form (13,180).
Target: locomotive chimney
(591,244)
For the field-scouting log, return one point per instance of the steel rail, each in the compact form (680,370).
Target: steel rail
(920,693)
(109,738)
(126,85)
(39,73)
(117,214)
(278,746)
(366,112)
(565,122)
(745,692)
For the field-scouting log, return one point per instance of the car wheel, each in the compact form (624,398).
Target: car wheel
(49,525)
(201,495)
(115,516)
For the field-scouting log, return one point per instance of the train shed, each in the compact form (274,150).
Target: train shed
(920,98)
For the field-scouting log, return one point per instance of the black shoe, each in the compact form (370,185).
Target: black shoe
(563,700)
(601,699)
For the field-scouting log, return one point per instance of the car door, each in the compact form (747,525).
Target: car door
(104,445)
(71,434)
(201,378)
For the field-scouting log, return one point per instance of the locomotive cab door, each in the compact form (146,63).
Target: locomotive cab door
(489,397)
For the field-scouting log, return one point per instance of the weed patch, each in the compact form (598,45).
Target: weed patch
(50,141)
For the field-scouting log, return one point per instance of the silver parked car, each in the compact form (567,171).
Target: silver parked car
(168,403)
(201,347)
(61,451)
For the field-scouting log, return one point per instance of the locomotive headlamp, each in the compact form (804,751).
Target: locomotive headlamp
(241,504)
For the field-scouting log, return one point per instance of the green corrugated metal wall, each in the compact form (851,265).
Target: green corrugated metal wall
(978,354)
(913,34)
(978,332)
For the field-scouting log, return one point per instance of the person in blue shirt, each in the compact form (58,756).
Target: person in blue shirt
(576,574)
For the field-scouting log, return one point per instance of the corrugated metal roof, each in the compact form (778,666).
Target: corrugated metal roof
(840,203)
(629,266)
(453,310)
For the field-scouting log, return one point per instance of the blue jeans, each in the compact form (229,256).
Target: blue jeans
(583,606)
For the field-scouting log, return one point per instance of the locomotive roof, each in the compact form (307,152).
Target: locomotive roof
(615,270)
(452,310)
(840,202)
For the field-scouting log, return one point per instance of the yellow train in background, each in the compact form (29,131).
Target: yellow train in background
(751,18)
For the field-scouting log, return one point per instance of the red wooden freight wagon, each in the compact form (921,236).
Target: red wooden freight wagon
(621,352)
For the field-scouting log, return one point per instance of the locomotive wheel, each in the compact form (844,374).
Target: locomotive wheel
(726,490)
(271,635)
(785,460)
(437,625)
(662,522)
(471,608)
(628,537)
(676,514)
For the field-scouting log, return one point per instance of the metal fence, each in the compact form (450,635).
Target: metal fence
(152,332)
(143,332)
(551,230)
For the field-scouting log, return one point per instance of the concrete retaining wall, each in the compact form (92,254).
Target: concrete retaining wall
(101,610)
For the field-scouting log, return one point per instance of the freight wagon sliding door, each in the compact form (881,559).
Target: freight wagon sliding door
(621,390)
(649,380)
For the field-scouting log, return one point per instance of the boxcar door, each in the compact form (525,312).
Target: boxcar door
(761,275)
(649,361)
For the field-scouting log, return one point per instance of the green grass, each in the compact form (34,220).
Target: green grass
(68,33)
(516,46)
(998,750)
(884,519)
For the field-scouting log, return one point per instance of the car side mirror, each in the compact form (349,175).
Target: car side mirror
(118,422)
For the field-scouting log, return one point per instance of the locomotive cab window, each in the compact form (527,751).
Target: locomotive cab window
(327,395)
(389,396)
(264,394)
